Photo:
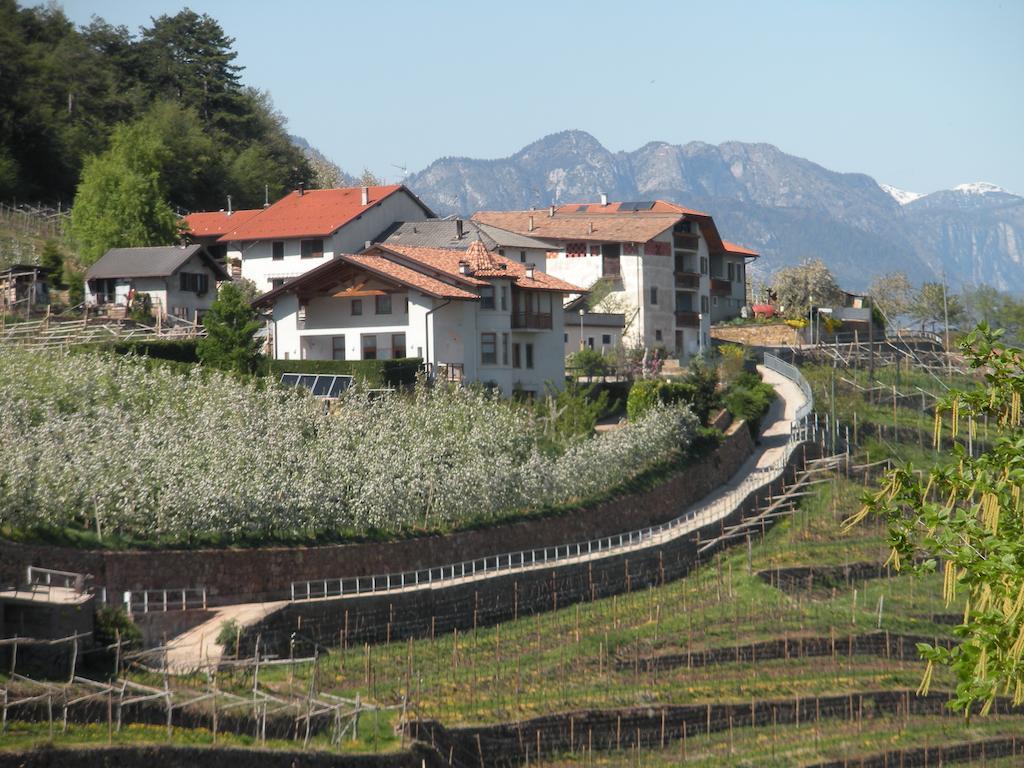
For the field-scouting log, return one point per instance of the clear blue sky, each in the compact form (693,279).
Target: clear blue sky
(920,94)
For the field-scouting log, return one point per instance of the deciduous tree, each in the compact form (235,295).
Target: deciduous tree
(892,294)
(796,286)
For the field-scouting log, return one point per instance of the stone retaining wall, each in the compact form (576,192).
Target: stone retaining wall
(250,575)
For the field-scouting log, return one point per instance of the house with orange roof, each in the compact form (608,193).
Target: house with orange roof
(663,266)
(471,315)
(303,230)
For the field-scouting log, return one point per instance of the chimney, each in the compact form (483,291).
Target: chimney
(266,195)
(463,267)
(229,205)
(531,224)
(458,229)
(365,195)
(367,244)
(529,271)
(551,211)
(590,227)
(302,188)
(604,199)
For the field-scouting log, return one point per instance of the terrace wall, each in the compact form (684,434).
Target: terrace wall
(244,575)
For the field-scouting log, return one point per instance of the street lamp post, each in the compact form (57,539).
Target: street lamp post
(581,328)
(700,335)
(810,317)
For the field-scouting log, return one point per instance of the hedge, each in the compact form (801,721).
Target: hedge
(375,373)
(178,350)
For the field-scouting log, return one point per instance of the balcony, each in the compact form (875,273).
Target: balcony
(531,321)
(689,281)
(687,319)
(720,287)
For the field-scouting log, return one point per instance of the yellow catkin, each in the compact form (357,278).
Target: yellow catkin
(926,680)
(967,609)
(1018,693)
(1018,604)
(955,428)
(937,429)
(949,583)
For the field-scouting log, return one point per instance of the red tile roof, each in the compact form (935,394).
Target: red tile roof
(216,223)
(446,262)
(606,227)
(314,213)
(658,206)
(738,249)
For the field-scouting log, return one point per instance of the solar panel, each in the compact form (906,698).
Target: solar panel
(289,379)
(306,381)
(640,206)
(322,386)
(339,385)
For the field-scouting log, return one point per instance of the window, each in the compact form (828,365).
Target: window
(407,305)
(657,335)
(529,355)
(277,250)
(610,261)
(703,265)
(732,271)
(504,349)
(488,349)
(703,303)
(312,249)
(337,348)
(575,249)
(566,338)
(714,301)
(606,339)
(194,282)
(654,294)
(517,360)
(276,282)
(522,257)
(398,345)
(370,347)
(590,342)
(504,298)
(486,297)
(357,306)
(382,304)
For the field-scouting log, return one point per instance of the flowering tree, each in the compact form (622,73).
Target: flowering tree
(103,443)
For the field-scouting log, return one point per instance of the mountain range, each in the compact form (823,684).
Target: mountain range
(787,208)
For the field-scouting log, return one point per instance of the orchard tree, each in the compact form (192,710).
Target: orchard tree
(892,294)
(231,324)
(967,519)
(935,305)
(797,286)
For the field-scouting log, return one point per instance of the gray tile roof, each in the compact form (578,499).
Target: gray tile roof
(443,233)
(154,261)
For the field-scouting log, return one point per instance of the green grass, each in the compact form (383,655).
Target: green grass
(810,743)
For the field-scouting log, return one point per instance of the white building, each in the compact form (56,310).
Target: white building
(665,267)
(304,229)
(471,315)
(181,281)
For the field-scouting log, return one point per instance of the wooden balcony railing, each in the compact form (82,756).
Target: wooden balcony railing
(687,319)
(688,280)
(539,321)
(720,287)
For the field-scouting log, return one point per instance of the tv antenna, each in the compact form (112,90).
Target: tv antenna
(404,169)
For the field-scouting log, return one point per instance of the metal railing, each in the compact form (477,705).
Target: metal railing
(562,554)
(791,372)
(48,577)
(159,600)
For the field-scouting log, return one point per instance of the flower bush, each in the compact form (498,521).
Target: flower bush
(101,443)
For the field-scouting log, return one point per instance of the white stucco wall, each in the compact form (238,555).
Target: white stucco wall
(259,266)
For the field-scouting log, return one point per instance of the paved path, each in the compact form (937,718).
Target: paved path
(197,646)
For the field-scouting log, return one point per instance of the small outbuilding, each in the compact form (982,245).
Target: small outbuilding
(172,280)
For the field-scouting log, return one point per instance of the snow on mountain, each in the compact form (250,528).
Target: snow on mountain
(901,196)
(979,188)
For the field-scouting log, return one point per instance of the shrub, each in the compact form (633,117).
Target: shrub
(112,622)
(698,388)
(749,398)
(228,636)
(589,362)
(231,324)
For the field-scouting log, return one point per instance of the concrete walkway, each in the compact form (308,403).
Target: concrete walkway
(197,647)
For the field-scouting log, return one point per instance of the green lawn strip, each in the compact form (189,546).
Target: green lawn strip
(376,734)
(809,743)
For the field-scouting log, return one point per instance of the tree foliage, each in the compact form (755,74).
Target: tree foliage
(797,286)
(934,303)
(66,88)
(231,326)
(967,519)
(892,293)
